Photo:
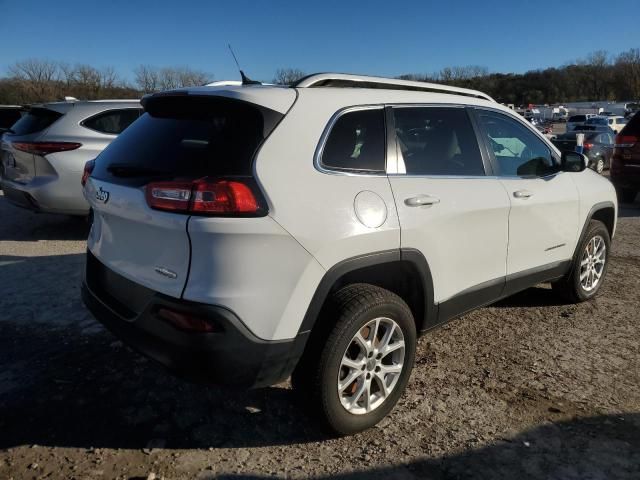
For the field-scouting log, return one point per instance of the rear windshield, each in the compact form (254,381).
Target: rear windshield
(578,118)
(35,120)
(8,116)
(187,137)
(598,121)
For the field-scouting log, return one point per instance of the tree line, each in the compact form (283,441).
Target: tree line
(33,81)
(598,76)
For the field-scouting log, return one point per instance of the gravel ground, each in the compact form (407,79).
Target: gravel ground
(527,388)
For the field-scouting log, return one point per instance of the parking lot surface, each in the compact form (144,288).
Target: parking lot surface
(527,388)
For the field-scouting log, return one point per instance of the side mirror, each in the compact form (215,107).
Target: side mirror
(574,162)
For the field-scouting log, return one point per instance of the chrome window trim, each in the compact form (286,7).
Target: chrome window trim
(317,157)
(446,177)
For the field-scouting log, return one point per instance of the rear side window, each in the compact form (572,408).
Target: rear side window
(112,122)
(437,141)
(8,116)
(36,120)
(356,142)
(187,138)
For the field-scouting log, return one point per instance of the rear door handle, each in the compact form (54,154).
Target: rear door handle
(421,200)
(522,194)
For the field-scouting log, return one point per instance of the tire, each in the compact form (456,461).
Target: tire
(628,195)
(599,165)
(575,287)
(358,309)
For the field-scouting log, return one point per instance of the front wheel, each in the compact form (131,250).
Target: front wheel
(589,266)
(365,362)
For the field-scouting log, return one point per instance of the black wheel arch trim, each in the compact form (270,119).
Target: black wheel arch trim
(596,208)
(339,270)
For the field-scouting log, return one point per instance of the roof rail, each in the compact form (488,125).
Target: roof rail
(365,81)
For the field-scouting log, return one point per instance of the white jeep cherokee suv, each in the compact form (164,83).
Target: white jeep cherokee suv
(245,234)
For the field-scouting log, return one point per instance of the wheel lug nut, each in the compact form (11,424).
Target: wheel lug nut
(368,375)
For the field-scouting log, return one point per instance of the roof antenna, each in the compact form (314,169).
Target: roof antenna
(245,80)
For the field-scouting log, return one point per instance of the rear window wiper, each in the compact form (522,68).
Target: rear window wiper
(130,170)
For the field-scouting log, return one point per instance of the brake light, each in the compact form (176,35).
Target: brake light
(232,197)
(588,145)
(86,173)
(45,148)
(626,141)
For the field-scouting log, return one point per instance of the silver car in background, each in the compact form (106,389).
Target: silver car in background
(42,156)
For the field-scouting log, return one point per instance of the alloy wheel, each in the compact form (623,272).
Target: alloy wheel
(592,263)
(371,366)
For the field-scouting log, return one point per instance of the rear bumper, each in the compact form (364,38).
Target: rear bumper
(231,356)
(45,195)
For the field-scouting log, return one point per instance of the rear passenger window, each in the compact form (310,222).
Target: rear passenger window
(356,142)
(436,141)
(112,122)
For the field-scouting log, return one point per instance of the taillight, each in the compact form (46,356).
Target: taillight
(86,173)
(208,196)
(626,141)
(588,145)
(173,196)
(45,148)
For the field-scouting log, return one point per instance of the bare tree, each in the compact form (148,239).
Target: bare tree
(38,78)
(152,79)
(287,76)
(109,78)
(628,72)
(146,78)
(597,68)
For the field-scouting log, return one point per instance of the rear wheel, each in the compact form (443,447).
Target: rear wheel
(362,368)
(589,265)
(599,165)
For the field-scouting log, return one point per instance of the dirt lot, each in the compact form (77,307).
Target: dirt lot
(528,388)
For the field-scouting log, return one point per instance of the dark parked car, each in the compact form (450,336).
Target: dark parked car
(9,114)
(625,163)
(598,147)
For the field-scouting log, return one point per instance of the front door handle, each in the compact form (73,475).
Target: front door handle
(522,194)
(421,200)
